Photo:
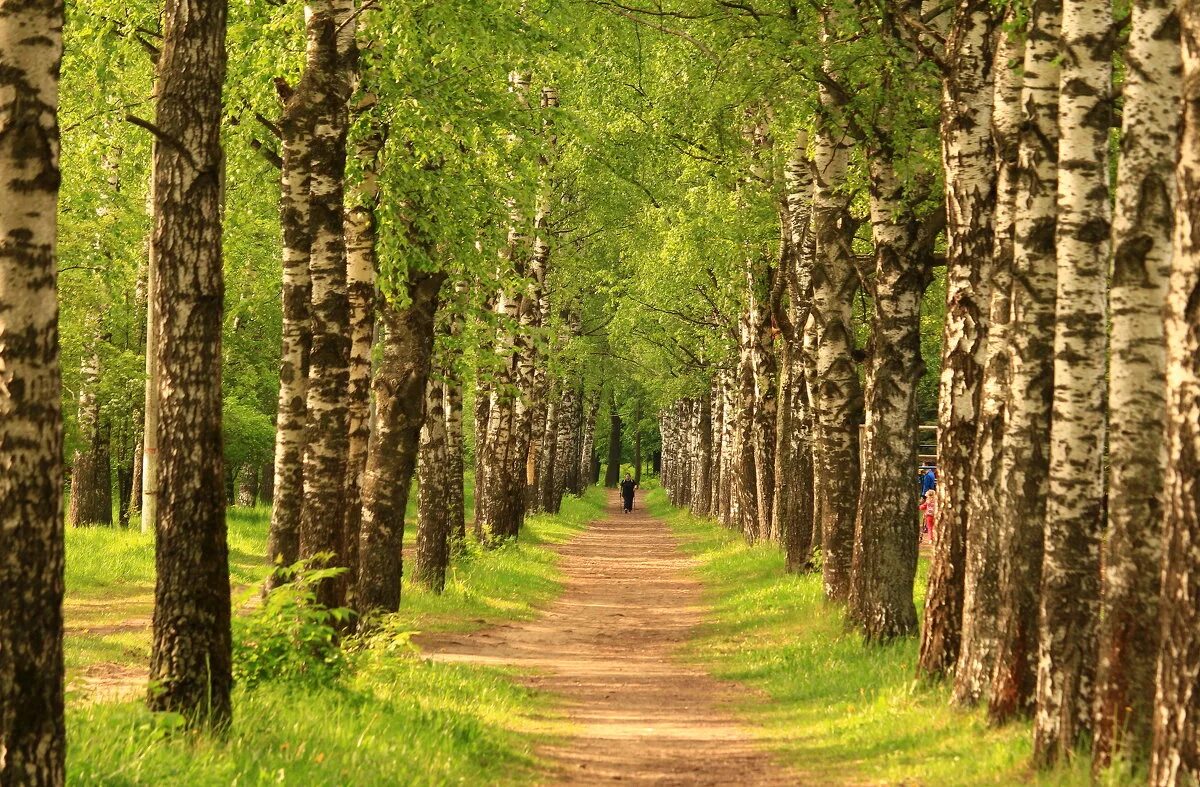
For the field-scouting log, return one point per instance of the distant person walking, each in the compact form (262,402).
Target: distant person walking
(627,487)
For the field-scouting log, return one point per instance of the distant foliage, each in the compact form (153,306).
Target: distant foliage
(249,435)
(290,637)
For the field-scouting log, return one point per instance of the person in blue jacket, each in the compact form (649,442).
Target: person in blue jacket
(928,481)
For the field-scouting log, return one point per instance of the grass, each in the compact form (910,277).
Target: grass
(838,711)
(110,587)
(392,718)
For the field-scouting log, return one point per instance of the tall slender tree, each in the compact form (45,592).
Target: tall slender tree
(1070,592)
(837,397)
(32,735)
(970,176)
(399,387)
(1025,453)
(1175,756)
(981,603)
(885,544)
(191,655)
(325,89)
(1142,227)
(283,543)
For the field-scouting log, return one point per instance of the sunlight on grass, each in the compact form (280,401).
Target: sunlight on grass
(400,721)
(838,711)
(394,718)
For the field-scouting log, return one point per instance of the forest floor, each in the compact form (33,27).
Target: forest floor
(610,649)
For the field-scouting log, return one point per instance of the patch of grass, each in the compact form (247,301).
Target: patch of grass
(400,721)
(104,561)
(110,586)
(392,718)
(839,711)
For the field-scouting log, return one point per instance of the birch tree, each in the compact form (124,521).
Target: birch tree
(325,88)
(399,391)
(1025,450)
(981,603)
(191,653)
(32,735)
(1142,226)
(360,228)
(283,544)
(970,176)
(433,521)
(837,399)
(1175,754)
(885,544)
(1070,592)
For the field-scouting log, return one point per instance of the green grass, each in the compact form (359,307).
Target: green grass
(110,587)
(838,711)
(392,719)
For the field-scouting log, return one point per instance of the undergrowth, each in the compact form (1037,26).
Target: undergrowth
(379,714)
(835,709)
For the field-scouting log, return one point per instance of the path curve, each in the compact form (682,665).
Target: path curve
(610,649)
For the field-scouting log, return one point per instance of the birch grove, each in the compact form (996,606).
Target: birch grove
(895,303)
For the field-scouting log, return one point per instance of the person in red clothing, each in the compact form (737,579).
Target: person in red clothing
(929,506)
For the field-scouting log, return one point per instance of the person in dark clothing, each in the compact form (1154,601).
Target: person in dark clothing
(627,487)
(928,481)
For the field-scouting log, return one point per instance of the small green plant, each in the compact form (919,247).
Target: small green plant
(291,637)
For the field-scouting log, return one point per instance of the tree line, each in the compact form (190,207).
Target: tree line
(1062,583)
(380,293)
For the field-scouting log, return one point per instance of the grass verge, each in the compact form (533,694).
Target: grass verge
(391,718)
(838,711)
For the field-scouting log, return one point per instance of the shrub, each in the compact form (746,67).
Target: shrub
(291,637)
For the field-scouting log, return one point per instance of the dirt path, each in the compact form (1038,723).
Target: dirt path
(609,647)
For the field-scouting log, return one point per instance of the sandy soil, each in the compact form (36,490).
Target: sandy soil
(610,649)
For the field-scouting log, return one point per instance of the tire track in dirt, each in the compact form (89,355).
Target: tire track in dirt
(610,649)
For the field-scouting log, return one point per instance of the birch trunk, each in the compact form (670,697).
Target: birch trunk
(32,734)
(549,454)
(325,88)
(970,174)
(134,505)
(587,448)
(283,542)
(1142,228)
(191,654)
(1070,592)
(612,473)
(713,493)
(91,470)
(361,265)
(149,505)
(885,543)
(766,391)
(398,387)
(704,447)
(247,486)
(981,605)
(794,512)
(433,522)
(1025,452)
(744,479)
(567,455)
(1175,753)
(455,493)
(838,400)
(729,451)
